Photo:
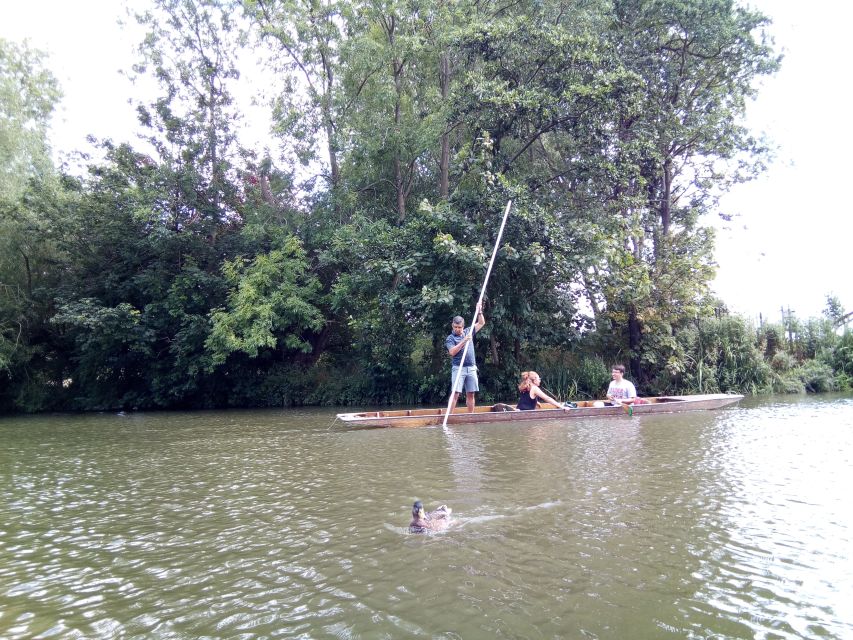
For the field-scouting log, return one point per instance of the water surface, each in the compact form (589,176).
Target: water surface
(266,524)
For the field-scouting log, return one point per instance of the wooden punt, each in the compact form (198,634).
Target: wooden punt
(489,413)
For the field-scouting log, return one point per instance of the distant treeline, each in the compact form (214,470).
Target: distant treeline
(187,271)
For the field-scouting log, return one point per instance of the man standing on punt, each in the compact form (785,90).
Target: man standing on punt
(455,344)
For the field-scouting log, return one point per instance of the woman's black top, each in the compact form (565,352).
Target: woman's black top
(526,403)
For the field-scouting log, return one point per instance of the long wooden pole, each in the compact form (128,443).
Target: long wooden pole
(479,305)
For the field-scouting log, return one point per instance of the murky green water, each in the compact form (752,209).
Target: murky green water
(728,524)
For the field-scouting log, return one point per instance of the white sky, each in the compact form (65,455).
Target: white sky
(794,226)
(789,245)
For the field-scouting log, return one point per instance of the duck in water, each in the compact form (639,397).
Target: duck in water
(422,521)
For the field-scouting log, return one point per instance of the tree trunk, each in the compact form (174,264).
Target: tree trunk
(29,275)
(666,197)
(329,126)
(493,346)
(211,144)
(635,336)
(399,180)
(593,303)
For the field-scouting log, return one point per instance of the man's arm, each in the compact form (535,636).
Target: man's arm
(457,348)
(481,320)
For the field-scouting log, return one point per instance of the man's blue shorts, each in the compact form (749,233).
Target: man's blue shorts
(467,379)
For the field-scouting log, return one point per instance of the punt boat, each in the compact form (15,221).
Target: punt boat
(505,413)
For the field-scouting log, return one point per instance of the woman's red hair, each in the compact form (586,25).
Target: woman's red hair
(525,380)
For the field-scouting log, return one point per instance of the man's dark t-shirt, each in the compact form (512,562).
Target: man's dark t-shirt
(453,340)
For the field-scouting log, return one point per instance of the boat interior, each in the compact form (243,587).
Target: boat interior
(586,404)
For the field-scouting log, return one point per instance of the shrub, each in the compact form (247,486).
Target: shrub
(787,384)
(840,355)
(817,377)
(843,382)
(771,337)
(570,376)
(723,357)
(782,362)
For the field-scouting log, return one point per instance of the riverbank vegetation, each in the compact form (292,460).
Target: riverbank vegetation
(187,270)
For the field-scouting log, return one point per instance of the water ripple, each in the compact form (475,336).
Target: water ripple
(269,524)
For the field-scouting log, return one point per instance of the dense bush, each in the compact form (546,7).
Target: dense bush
(817,377)
(720,356)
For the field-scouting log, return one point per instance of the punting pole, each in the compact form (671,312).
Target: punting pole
(479,304)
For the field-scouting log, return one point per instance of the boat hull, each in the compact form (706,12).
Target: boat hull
(584,409)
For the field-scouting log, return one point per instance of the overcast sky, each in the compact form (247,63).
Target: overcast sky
(789,245)
(793,226)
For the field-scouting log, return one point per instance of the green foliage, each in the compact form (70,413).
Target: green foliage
(270,305)
(112,347)
(789,383)
(839,357)
(771,339)
(28,94)
(306,39)
(783,362)
(836,314)
(181,321)
(719,356)
(573,376)
(673,148)
(817,377)
(30,217)
(204,275)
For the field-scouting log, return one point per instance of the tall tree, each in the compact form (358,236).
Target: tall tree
(28,95)
(307,35)
(835,311)
(29,189)
(397,118)
(677,149)
(190,50)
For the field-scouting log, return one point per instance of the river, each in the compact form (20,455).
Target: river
(285,524)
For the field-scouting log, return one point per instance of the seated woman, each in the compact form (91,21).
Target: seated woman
(531,393)
(422,522)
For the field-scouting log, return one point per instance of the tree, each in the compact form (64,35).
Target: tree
(131,323)
(395,116)
(835,312)
(308,35)
(541,83)
(190,49)
(28,198)
(28,95)
(677,148)
(270,305)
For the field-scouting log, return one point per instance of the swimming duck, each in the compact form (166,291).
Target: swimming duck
(422,522)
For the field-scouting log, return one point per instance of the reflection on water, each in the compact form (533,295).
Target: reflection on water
(786,525)
(730,524)
(465,450)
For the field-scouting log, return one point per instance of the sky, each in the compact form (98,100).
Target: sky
(792,227)
(789,244)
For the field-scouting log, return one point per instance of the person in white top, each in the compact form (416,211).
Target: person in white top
(621,391)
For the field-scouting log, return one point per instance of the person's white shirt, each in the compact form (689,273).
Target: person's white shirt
(621,390)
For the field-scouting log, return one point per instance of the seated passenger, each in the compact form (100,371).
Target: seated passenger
(622,391)
(531,393)
(422,522)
